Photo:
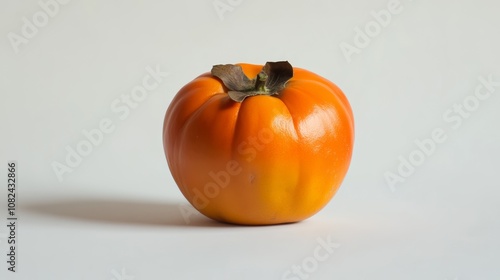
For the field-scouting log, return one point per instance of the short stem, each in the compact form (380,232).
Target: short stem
(260,83)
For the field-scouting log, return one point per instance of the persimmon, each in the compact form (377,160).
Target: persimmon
(256,145)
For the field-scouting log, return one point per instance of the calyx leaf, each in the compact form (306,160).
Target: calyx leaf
(270,81)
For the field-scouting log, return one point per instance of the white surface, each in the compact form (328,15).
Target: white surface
(116,216)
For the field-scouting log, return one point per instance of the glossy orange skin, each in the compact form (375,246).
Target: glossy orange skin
(267,160)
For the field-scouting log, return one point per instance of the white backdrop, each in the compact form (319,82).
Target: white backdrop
(420,200)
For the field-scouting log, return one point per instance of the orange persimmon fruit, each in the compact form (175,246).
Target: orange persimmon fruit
(258,145)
